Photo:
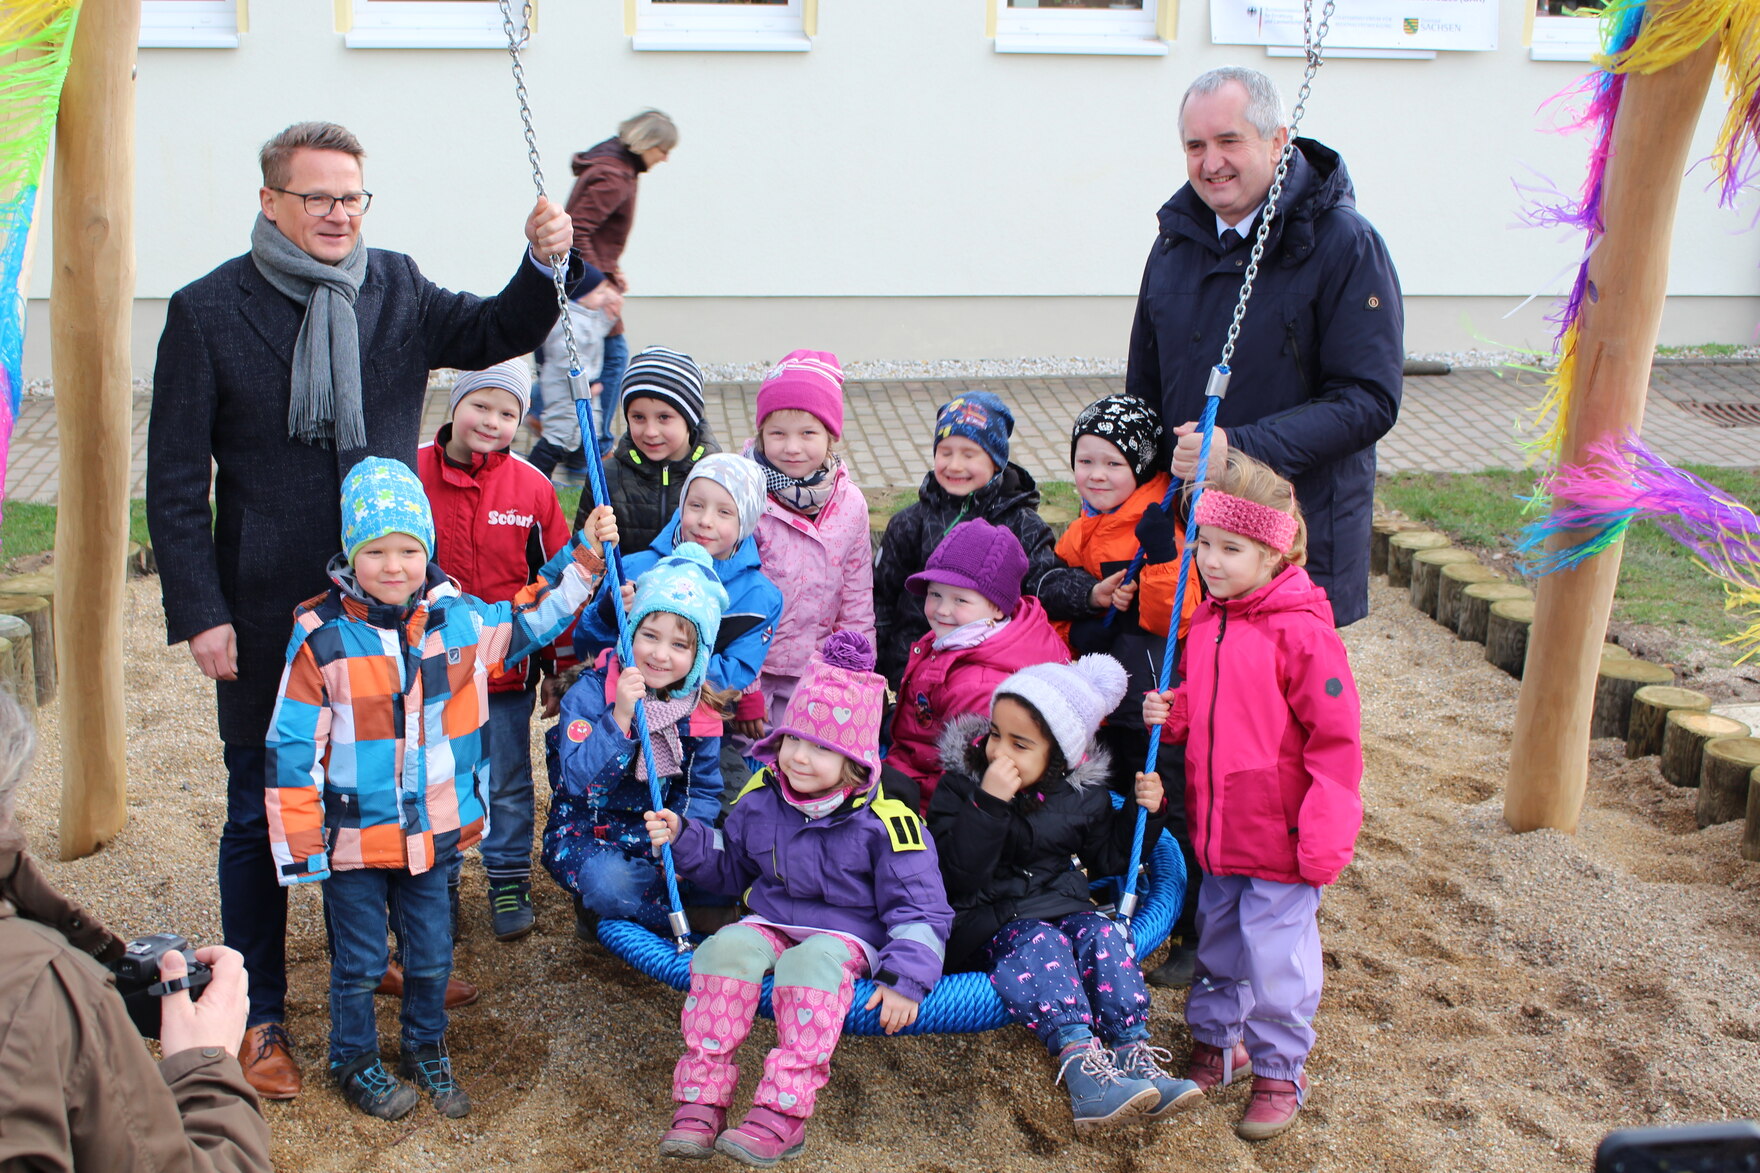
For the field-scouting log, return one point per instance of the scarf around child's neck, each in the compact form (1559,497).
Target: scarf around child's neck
(814,806)
(664,718)
(970,635)
(804,495)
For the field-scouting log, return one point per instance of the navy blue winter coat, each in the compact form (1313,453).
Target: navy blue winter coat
(1316,372)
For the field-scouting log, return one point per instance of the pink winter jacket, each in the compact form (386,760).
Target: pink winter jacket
(939,686)
(825,567)
(1273,732)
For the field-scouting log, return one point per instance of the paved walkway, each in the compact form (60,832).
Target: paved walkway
(1703,412)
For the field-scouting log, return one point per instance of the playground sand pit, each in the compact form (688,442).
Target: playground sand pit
(1492,1002)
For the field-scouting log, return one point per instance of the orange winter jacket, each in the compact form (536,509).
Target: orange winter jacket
(1105,543)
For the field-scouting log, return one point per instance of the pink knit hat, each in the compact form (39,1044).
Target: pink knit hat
(805,380)
(837,704)
(1236,515)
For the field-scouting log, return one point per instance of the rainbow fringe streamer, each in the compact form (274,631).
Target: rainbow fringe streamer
(1645,37)
(36,39)
(1622,481)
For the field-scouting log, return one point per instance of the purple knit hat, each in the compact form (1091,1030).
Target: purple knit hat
(837,704)
(805,380)
(981,557)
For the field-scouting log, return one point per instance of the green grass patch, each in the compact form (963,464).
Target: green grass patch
(29,527)
(1658,583)
(1703,350)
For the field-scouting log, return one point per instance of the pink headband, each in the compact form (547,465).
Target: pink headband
(1263,524)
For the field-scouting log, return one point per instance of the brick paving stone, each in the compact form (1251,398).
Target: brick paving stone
(1461,422)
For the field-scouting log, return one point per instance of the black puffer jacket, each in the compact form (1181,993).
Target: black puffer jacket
(1007,861)
(644,494)
(1011,498)
(1317,371)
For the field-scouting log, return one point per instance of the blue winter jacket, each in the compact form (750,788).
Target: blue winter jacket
(748,626)
(595,792)
(867,869)
(1317,370)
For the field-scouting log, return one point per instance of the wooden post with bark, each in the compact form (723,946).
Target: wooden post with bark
(1685,734)
(1427,567)
(1474,616)
(1617,327)
(1401,547)
(1723,778)
(90,305)
(1384,528)
(1456,578)
(1507,635)
(1751,829)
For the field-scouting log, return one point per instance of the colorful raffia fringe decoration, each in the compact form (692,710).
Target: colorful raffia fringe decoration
(1622,482)
(36,38)
(1645,37)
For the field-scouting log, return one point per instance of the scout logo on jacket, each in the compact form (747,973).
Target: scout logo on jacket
(578,729)
(509,517)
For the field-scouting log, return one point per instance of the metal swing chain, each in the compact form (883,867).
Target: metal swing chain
(1311,40)
(516,40)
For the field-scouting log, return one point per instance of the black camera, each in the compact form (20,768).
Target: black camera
(137,978)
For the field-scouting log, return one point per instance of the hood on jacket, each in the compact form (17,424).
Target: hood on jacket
(1289,591)
(437,587)
(962,751)
(1013,486)
(611,149)
(1317,182)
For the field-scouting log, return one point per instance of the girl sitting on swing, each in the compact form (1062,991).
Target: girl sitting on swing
(841,882)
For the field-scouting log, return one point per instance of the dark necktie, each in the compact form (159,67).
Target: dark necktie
(1230,238)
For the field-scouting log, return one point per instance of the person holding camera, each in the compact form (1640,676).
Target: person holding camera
(78,1089)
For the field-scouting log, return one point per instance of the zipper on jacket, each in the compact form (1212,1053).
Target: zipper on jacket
(1295,349)
(1210,758)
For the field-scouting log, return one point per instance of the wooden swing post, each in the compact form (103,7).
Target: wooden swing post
(90,305)
(1652,131)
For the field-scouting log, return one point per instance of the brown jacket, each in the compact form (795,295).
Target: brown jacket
(78,1089)
(602,203)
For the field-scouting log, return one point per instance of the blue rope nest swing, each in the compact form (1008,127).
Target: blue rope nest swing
(961,1003)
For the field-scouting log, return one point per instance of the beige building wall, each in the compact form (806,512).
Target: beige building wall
(900,191)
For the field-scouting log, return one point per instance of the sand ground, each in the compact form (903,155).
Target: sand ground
(1493,1001)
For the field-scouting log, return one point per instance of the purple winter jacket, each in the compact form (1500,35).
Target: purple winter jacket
(868,869)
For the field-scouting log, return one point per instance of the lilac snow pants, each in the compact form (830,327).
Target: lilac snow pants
(1258,971)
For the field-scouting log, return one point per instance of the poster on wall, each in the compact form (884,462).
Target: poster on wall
(1360,24)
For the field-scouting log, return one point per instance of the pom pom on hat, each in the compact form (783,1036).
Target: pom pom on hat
(837,704)
(512,376)
(848,650)
(1072,699)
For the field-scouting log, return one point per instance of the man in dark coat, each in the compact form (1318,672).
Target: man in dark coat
(283,367)
(1317,369)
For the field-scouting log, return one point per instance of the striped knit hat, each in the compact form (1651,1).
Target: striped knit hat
(669,376)
(805,380)
(512,376)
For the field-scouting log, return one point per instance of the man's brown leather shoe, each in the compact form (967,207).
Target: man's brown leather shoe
(268,1062)
(458,991)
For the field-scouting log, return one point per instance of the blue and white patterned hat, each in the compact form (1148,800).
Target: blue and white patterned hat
(684,583)
(382,496)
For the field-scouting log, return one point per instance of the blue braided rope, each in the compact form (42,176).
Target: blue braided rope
(1170,655)
(961,1003)
(583,410)
(1137,559)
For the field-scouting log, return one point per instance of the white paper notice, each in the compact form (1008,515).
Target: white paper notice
(1359,24)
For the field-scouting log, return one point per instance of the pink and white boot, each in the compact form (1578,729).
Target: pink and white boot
(716,1019)
(809,1023)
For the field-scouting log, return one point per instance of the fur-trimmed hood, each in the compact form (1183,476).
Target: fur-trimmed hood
(962,751)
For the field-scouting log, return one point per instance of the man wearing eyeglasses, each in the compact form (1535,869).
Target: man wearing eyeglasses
(279,371)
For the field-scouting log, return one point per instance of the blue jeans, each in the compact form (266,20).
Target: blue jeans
(611,369)
(507,848)
(359,904)
(253,904)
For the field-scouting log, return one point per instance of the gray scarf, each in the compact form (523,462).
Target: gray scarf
(326,404)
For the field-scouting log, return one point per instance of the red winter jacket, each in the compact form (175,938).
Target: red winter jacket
(494,525)
(939,686)
(1273,732)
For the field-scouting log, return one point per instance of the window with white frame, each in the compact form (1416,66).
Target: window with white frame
(1079,26)
(424,24)
(731,25)
(190,24)
(1566,30)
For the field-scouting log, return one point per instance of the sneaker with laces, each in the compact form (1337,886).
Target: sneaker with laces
(1272,1107)
(1139,1060)
(368,1086)
(510,909)
(1099,1093)
(1209,1067)
(430,1068)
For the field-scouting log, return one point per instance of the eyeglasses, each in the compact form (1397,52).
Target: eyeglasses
(318,204)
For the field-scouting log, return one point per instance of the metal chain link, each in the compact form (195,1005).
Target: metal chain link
(1311,41)
(516,41)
